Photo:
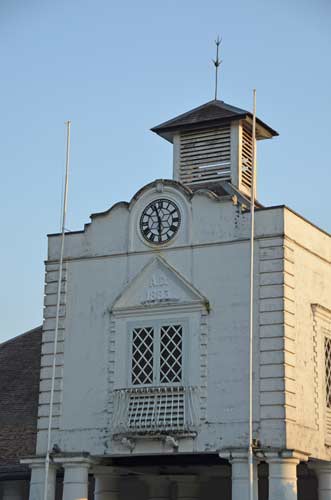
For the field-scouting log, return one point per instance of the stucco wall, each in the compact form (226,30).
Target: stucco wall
(211,254)
(311,288)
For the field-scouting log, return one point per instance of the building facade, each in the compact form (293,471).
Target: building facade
(19,392)
(152,365)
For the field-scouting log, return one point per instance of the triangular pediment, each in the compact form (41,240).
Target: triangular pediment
(158,283)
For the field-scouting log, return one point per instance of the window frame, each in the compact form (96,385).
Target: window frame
(327,371)
(156,324)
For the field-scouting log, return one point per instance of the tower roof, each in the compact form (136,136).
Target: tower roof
(211,114)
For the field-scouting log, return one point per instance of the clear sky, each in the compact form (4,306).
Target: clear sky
(115,69)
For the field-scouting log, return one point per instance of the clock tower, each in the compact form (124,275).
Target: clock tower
(212,144)
(150,368)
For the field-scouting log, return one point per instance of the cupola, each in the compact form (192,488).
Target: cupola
(213,143)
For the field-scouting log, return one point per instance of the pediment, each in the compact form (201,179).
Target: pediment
(158,283)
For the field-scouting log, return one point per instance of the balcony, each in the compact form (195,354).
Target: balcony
(153,411)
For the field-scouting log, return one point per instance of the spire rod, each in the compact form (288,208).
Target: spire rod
(217,62)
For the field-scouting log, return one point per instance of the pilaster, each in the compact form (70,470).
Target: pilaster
(240,476)
(283,474)
(323,473)
(13,490)
(107,483)
(158,487)
(277,339)
(187,487)
(37,481)
(75,483)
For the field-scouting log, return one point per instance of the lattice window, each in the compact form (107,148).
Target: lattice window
(156,400)
(157,355)
(327,351)
(171,353)
(142,356)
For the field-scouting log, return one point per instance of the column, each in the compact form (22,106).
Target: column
(13,490)
(158,487)
(75,484)
(187,487)
(215,478)
(282,477)
(240,477)
(37,482)
(323,473)
(107,484)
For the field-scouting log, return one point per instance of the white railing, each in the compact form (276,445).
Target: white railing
(155,410)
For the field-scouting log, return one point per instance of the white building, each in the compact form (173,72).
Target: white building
(152,370)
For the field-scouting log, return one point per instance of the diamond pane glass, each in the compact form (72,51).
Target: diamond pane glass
(171,346)
(327,350)
(142,355)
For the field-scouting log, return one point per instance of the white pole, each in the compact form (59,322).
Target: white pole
(64,213)
(251,310)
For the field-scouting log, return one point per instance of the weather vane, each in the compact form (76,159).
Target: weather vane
(217,62)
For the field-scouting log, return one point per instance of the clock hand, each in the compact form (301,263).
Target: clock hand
(158,218)
(159,224)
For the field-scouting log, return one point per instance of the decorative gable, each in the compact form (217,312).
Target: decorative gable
(158,284)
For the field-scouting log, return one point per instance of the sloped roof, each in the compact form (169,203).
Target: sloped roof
(19,390)
(212,113)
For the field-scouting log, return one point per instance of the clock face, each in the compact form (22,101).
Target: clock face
(160,221)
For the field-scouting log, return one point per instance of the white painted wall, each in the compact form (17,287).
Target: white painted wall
(211,254)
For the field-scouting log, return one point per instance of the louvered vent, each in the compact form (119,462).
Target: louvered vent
(246,158)
(205,156)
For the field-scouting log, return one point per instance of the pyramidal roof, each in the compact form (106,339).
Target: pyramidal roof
(212,113)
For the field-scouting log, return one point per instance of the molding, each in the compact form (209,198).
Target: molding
(321,330)
(151,309)
(110,379)
(74,461)
(203,367)
(35,462)
(316,384)
(160,261)
(185,246)
(51,284)
(320,467)
(166,249)
(321,312)
(286,455)
(108,471)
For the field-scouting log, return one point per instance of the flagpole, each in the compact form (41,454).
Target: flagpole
(251,309)
(57,315)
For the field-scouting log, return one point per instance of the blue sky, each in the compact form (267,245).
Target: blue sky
(115,69)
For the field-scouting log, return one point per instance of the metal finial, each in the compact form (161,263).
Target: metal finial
(217,62)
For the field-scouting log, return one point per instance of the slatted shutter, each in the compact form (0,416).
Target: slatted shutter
(205,155)
(246,158)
